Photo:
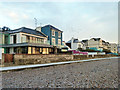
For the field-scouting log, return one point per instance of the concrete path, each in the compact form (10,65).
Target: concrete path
(49,64)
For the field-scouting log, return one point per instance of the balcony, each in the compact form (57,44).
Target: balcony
(37,42)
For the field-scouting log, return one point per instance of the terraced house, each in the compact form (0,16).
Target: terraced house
(25,41)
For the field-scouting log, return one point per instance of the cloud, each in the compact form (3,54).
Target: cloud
(79,19)
(14,16)
(25,16)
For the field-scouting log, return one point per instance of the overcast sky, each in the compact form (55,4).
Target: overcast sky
(79,19)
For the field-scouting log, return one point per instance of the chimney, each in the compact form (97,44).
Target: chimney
(38,29)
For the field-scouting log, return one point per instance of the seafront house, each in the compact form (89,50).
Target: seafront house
(25,41)
(85,43)
(54,35)
(65,48)
(97,44)
(74,44)
(118,49)
(4,39)
(113,47)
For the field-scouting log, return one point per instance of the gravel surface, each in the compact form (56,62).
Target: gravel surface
(100,74)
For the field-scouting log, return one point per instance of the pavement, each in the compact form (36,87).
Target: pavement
(95,74)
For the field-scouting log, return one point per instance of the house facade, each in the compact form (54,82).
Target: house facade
(85,44)
(97,43)
(113,47)
(74,44)
(54,35)
(26,41)
(118,49)
(4,39)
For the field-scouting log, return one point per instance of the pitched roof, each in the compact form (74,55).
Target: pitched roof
(103,41)
(96,39)
(53,27)
(74,41)
(84,41)
(68,41)
(27,30)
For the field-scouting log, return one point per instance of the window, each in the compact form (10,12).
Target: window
(59,34)
(37,50)
(40,40)
(6,39)
(14,39)
(34,39)
(53,41)
(53,32)
(23,39)
(7,50)
(79,46)
(45,51)
(24,50)
(28,38)
(59,41)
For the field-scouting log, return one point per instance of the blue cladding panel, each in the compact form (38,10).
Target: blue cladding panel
(47,31)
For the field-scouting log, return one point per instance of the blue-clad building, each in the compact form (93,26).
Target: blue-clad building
(54,35)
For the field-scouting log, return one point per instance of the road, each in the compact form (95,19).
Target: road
(100,74)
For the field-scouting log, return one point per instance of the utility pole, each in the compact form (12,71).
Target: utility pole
(40,24)
(35,22)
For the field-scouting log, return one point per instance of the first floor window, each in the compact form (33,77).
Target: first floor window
(53,32)
(53,41)
(59,41)
(59,34)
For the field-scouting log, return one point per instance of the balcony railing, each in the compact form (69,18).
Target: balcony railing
(45,42)
(38,42)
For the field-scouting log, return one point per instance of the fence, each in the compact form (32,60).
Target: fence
(7,58)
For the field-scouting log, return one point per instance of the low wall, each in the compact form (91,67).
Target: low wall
(80,57)
(23,59)
(40,59)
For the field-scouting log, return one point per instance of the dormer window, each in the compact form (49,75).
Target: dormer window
(53,32)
